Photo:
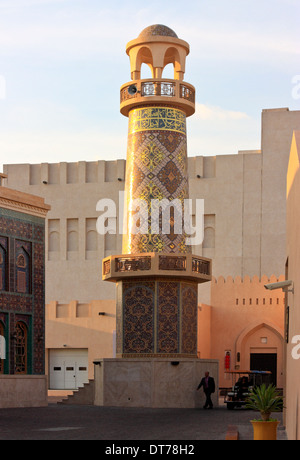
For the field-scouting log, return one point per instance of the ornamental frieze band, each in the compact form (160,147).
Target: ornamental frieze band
(157,118)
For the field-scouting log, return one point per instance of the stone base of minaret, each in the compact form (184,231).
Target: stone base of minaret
(156,362)
(157,303)
(152,382)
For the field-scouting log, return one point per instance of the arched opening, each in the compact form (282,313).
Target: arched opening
(72,241)
(2,348)
(146,71)
(260,347)
(21,348)
(209,238)
(91,240)
(23,271)
(168,71)
(3,269)
(54,242)
(172,56)
(144,56)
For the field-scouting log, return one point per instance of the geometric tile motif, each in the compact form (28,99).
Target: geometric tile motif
(152,156)
(189,306)
(157,317)
(138,321)
(156,168)
(170,176)
(169,140)
(26,233)
(168,317)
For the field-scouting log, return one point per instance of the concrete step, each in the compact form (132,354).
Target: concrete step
(55,396)
(83,396)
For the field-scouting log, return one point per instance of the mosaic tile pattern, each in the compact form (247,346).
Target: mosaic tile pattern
(157,118)
(157,317)
(168,317)
(156,170)
(24,233)
(139,317)
(189,306)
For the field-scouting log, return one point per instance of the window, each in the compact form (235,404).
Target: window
(2,347)
(3,264)
(21,348)
(23,268)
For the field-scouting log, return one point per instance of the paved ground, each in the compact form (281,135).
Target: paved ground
(65,422)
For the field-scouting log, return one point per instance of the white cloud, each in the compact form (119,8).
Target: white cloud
(209,112)
(217,131)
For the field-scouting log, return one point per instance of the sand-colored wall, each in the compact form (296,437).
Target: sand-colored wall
(77,325)
(292,349)
(243,312)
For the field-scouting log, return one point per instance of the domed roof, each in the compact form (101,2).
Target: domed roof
(157,29)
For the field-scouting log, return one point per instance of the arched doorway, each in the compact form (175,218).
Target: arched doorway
(260,347)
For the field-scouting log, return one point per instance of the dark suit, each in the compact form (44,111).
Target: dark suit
(208,388)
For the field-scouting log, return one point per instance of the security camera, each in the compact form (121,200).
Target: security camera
(280,285)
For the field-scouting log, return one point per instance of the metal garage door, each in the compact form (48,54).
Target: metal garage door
(68,368)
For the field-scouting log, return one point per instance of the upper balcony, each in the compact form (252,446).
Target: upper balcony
(157,91)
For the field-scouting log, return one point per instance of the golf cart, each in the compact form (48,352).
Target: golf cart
(242,383)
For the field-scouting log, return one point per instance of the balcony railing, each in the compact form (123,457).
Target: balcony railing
(156,264)
(139,91)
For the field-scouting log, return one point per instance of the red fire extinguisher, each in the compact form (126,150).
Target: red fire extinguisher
(227,361)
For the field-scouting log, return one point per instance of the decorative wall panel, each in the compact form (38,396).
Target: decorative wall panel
(168,317)
(23,296)
(138,311)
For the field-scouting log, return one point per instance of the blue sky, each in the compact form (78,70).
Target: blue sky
(62,63)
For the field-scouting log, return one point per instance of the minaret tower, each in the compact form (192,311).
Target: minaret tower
(157,276)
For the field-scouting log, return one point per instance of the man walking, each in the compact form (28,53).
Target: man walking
(208,384)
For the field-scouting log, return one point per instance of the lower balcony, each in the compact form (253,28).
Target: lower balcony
(188,266)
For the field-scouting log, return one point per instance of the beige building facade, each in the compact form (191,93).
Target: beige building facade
(244,234)
(292,311)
